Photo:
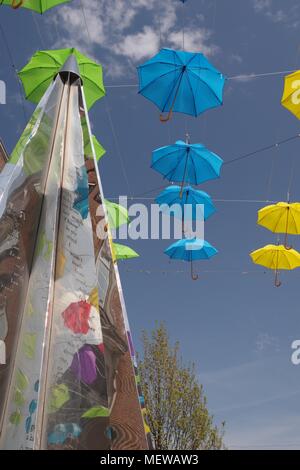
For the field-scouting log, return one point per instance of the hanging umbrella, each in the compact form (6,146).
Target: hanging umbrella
(99,150)
(40,6)
(191,250)
(123,252)
(37,75)
(180,81)
(170,196)
(186,163)
(117,214)
(291,93)
(283,217)
(276,257)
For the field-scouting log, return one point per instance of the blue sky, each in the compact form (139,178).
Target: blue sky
(232,323)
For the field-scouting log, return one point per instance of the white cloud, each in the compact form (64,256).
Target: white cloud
(194,41)
(140,45)
(290,16)
(127,31)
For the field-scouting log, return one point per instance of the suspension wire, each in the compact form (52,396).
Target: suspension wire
(242,157)
(108,113)
(184,271)
(263,149)
(183,24)
(37,27)
(9,53)
(248,201)
(160,33)
(241,77)
(85,22)
(117,146)
(291,178)
(270,178)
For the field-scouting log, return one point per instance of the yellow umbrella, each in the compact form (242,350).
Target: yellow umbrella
(276,257)
(283,217)
(291,93)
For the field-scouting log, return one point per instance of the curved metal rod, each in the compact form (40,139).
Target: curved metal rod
(277,282)
(194,276)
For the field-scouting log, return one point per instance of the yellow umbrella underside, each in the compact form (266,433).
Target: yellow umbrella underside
(282,217)
(276,257)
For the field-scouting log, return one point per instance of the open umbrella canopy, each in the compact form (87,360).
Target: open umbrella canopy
(191,250)
(186,163)
(117,214)
(99,150)
(181,81)
(291,93)
(124,252)
(40,6)
(199,204)
(43,67)
(276,257)
(282,217)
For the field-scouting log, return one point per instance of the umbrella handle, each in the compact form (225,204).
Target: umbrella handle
(17,4)
(277,282)
(286,246)
(162,118)
(194,276)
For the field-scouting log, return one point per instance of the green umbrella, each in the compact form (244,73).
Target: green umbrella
(124,252)
(37,75)
(117,214)
(99,150)
(40,6)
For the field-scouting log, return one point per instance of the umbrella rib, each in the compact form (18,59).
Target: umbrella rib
(40,83)
(171,172)
(52,58)
(154,80)
(194,166)
(179,80)
(194,100)
(292,214)
(161,63)
(207,86)
(165,155)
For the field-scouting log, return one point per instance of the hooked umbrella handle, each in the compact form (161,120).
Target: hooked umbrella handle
(194,276)
(17,4)
(167,118)
(277,282)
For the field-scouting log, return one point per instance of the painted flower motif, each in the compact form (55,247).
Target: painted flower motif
(76,316)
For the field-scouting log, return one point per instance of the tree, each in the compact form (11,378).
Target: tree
(176,406)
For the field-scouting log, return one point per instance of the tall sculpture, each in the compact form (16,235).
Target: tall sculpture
(69,381)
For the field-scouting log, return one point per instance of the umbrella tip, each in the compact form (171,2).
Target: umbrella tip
(70,68)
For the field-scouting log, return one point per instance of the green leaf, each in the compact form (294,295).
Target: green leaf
(95,412)
(21,380)
(19,397)
(16,417)
(60,395)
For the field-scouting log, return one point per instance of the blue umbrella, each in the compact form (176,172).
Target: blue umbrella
(186,163)
(181,81)
(170,196)
(191,250)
